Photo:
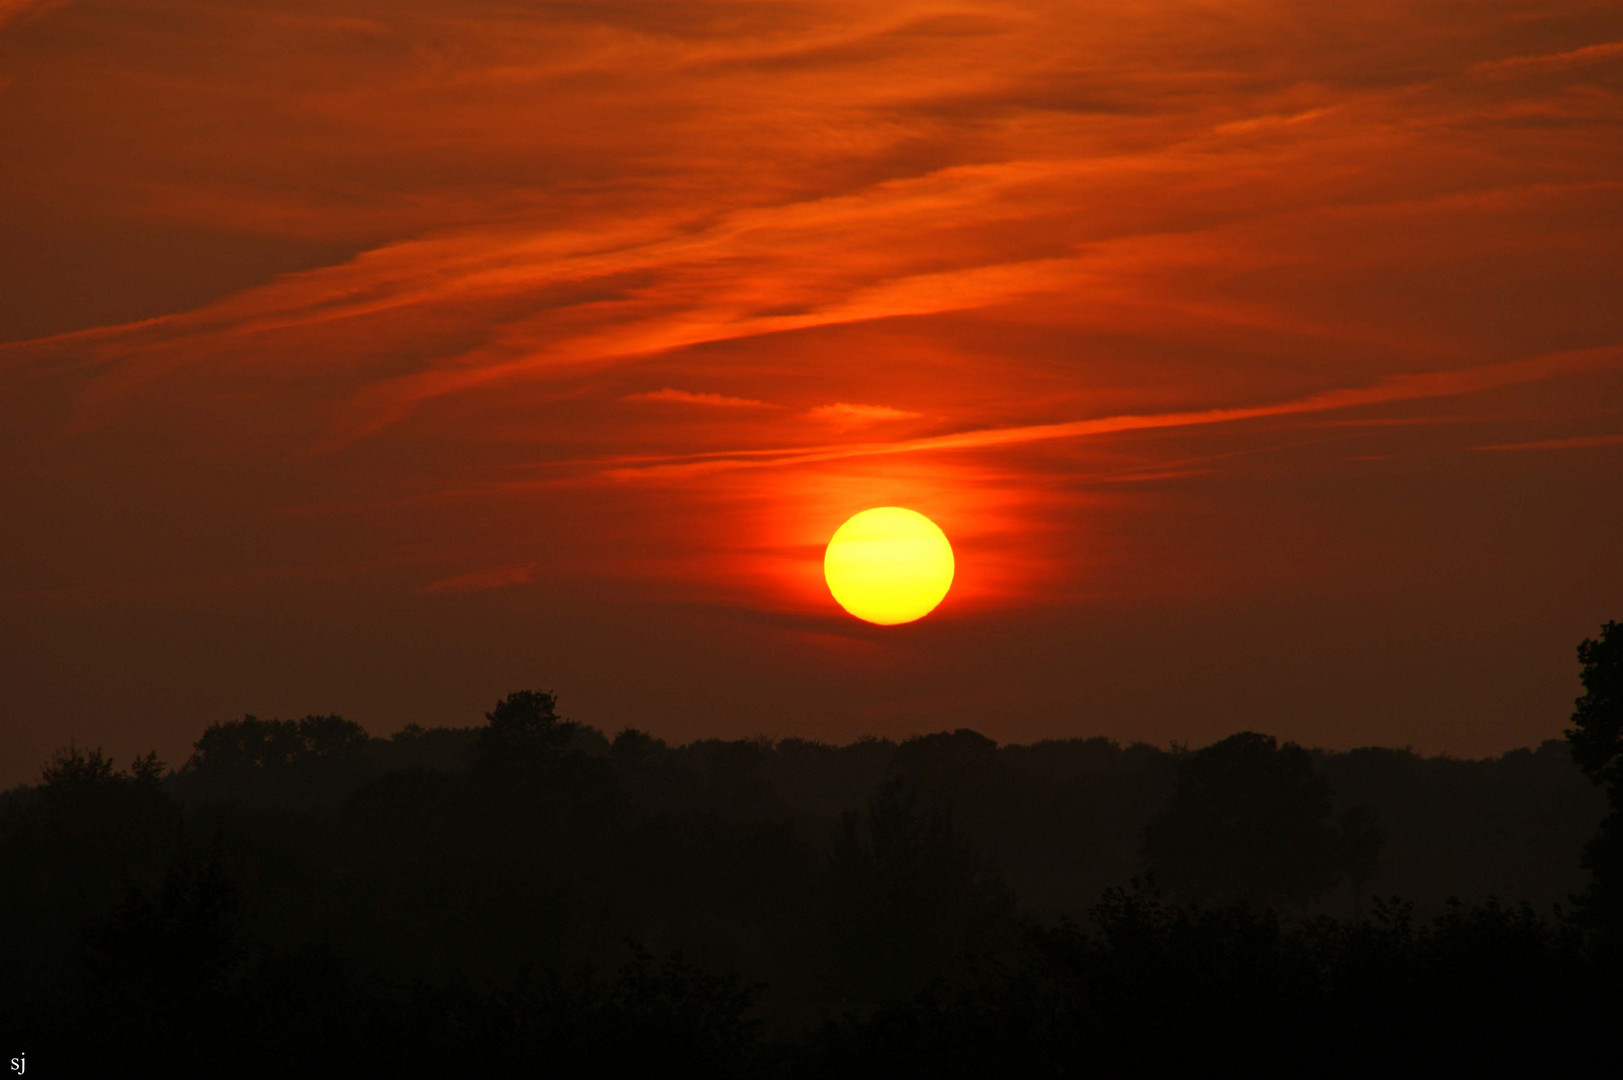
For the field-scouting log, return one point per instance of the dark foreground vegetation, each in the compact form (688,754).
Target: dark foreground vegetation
(528,894)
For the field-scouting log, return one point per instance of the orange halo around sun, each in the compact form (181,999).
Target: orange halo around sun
(888,565)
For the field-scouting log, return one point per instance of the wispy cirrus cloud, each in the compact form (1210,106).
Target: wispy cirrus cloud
(495,577)
(846,413)
(1576,442)
(1598,53)
(704,399)
(1400,388)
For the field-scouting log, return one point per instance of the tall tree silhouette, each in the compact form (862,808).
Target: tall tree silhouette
(908,896)
(1250,821)
(1596,739)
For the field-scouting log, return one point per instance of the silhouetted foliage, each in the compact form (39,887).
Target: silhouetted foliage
(528,896)
(76,769)
(523,725)
(907,897)
(69,849)
(1250,821)
(1596,739)
(1358,849)
(1512,825)
(252,743)
(165,962)
(275,762)
(1146,988)
(1596,735)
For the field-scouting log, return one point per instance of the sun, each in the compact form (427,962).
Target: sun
(889,565)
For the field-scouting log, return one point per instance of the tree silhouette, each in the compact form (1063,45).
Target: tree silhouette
(275,761)
(1596,735)
(1596,740)
(457,900)
(160,959)
(1249,821)
(76,769)
(525,724)
(908,896)
(68,850)
(1360,851)
(252,743)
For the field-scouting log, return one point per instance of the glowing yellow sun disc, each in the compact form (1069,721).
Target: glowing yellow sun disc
(888,565)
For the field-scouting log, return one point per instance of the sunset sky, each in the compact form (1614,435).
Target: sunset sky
(1262,360)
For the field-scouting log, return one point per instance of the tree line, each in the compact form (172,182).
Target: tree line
(530,892)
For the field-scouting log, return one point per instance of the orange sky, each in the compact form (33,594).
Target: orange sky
(1263,360)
